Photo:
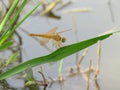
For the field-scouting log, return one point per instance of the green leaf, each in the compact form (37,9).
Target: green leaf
(29,72)
(55,56)
(9,27)
(18,24)
(6,45)
(8,15)
(12,58)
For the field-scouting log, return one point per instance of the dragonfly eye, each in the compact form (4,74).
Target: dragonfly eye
(63,39)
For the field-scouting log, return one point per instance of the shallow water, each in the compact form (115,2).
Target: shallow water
(90,24)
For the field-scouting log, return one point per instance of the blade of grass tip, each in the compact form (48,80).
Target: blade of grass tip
(111,31)
(19,23)
(14,19)
(12,58)
(116,31)
(5,45)
(8,14)
(55,56)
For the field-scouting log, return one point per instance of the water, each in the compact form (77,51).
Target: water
(90,24)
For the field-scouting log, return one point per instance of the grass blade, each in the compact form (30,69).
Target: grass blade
(6,45)
(19,23)
(26,16)
(12,58)
(13,20)
(8,15)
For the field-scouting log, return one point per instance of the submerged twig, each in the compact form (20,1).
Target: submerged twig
(63,5)
(44,2)
(19,46)
(76,34)
(97,85)
(41,72)
(44,83)
(77,10)
(60,77)
(111,10)
(82,57)
(88,83)
(50,7)
(98,59)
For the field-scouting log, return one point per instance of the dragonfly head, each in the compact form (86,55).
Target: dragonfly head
(63,39)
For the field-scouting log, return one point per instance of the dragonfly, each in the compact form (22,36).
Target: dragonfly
(58,40)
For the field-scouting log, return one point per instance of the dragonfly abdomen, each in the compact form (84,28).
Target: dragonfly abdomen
(42,35)
(54,37)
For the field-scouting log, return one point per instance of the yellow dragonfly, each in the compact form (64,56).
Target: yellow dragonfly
(54,35)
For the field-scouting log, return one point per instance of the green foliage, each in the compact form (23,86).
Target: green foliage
(55,56)
(7,30)
(10,29)
(12,58)
(7,17)
(5,45)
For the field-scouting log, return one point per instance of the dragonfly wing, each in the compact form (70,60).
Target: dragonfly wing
(57,44)
(52,31)
(44,41)
(64,31)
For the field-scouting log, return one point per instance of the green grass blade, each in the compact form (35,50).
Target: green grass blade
(5,45)
(12,58)
(8,15)
(19,23)
(16,26)
(13,20)
(55,56)
(60,67)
